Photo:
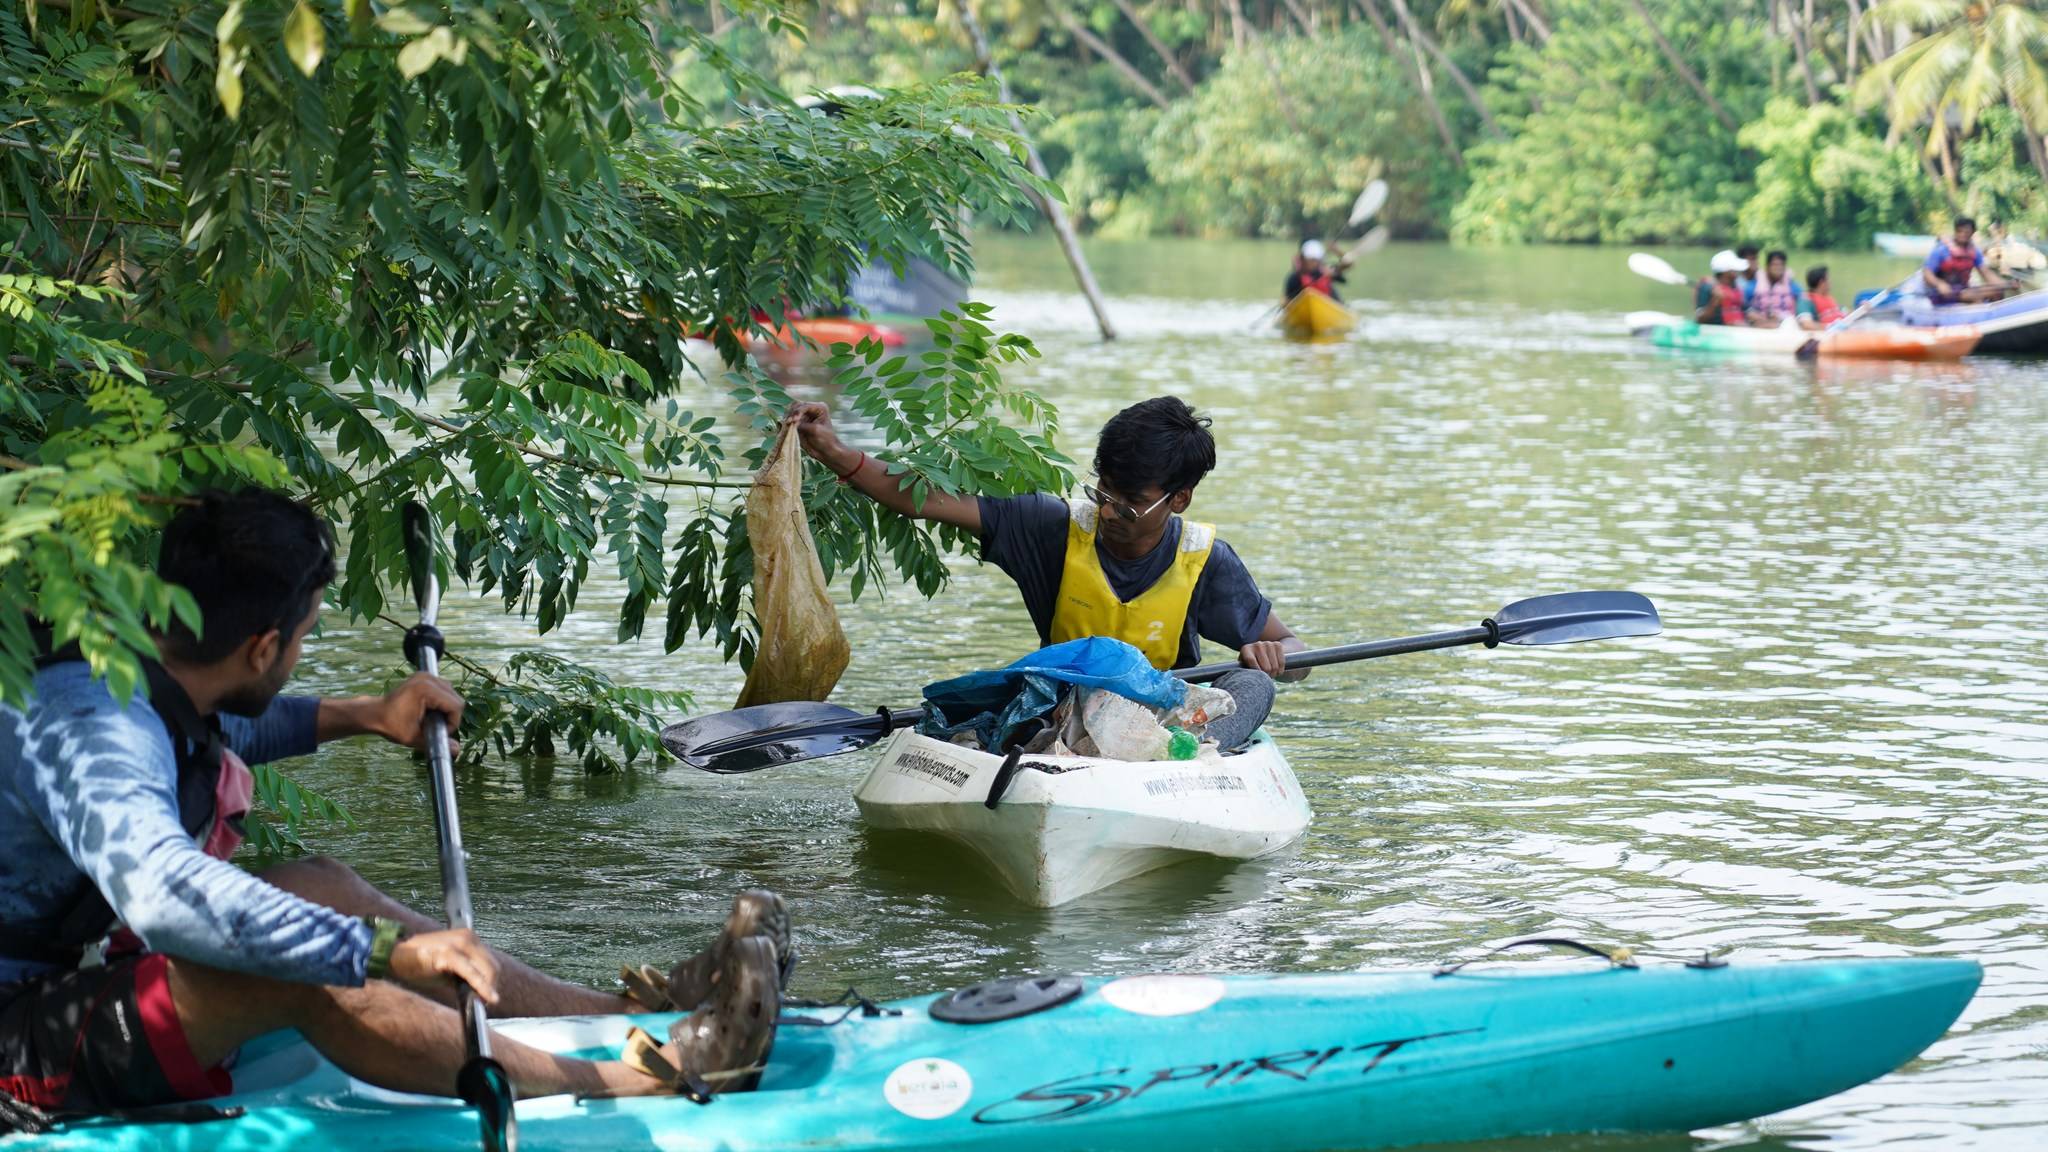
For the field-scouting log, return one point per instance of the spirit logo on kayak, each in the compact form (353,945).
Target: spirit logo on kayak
(935,770)
(1092,1092)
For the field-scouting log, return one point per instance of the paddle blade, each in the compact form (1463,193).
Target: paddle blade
(750,739)
(1368,203)
(1370,243)
(1651,267)
(483,1084)
(419,553)
(1570,617)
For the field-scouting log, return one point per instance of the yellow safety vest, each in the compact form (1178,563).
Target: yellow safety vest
(1152,623)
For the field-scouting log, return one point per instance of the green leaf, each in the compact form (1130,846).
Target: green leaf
(305,41)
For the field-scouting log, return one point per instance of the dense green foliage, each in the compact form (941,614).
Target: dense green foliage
(1605,144)
(450,253)
(1824,181)
(1573,121)
(1220,157)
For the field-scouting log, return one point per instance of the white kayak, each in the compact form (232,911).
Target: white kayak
(1065,826)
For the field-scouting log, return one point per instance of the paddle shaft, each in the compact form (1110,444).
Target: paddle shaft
(448,825)
(1343,653)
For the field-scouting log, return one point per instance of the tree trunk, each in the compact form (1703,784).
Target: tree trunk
(1683,69)
(1472,97)
(1802,44)
(2037,143)
(1237,28)
(1055,214)
(1436,111)
(1420,77)
(1855,30)
(1534,19)
(1116,60)
(1379,24)
(1301,18)
(1166,56)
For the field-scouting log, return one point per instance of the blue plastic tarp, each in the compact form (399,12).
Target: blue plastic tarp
(995,704)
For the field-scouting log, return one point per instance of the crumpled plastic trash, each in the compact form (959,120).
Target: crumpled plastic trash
(1122,729)
(802,650)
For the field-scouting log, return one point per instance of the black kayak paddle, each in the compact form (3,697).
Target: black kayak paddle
(750,739)
(482,1083)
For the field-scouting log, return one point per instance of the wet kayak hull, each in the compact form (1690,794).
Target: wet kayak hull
(1891,342)
(1311,315)
(1065,826)
(2014,326)
(1191,1063)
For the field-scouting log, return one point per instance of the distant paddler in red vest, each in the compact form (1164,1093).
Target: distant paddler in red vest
(1817,309)
(1718,298)
(1949,267)
(1310,271)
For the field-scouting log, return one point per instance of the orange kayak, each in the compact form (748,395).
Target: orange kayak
(825,331)
(1900,343)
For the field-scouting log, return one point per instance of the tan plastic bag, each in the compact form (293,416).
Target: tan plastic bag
(802,651)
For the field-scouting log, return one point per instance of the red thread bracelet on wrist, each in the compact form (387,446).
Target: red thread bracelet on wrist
(850,473)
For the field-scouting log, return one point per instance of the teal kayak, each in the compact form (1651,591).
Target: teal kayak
(1351,1060)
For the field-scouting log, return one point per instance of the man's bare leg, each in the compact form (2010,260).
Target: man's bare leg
(380,1033)
(522,989)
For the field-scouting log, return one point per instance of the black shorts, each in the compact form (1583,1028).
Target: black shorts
(97,1039)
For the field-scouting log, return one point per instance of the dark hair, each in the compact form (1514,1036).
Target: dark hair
(1747,251)
(1966,222)
(1158,441)
(1815,275)
(1776,254)
(253,559)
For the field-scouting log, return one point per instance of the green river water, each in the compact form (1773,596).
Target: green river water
(1836,748)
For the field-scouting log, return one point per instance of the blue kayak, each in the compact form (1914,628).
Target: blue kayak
(2016,325)
(1352,1060)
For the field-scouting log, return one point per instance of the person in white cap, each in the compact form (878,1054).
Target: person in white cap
(1311,272)
(1718,299)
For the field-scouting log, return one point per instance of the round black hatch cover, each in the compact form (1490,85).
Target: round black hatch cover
(1005,999)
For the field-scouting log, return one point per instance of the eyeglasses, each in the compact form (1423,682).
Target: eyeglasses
(1096,497)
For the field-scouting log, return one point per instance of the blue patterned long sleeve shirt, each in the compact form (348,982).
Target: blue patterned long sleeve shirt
(89,790)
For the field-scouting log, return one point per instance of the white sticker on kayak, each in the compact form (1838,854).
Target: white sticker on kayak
(1163,995)
(928,1089)
(943,773)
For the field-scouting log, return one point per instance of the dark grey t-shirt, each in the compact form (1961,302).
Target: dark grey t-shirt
(1026,536)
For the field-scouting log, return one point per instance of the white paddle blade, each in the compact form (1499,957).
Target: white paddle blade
(1650,267)
(1368,204)
(1641,322)
(1367,244)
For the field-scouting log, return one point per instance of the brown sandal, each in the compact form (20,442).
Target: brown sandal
(723,1046)
(755,912)
(726,1041)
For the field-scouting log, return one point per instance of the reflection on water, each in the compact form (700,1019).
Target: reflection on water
(1836,748)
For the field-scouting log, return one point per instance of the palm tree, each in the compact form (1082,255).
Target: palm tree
(1976,54)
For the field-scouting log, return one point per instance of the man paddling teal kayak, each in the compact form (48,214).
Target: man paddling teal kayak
(116,814)
(1122,562)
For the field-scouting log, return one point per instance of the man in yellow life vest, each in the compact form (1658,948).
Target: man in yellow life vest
(1122,562)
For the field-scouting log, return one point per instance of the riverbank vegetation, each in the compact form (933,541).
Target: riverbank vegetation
(1807,122)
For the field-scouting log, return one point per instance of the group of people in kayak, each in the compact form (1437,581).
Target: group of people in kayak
(1738,292)
(135,959)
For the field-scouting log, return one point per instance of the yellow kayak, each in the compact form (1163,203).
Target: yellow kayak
(1314,316)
